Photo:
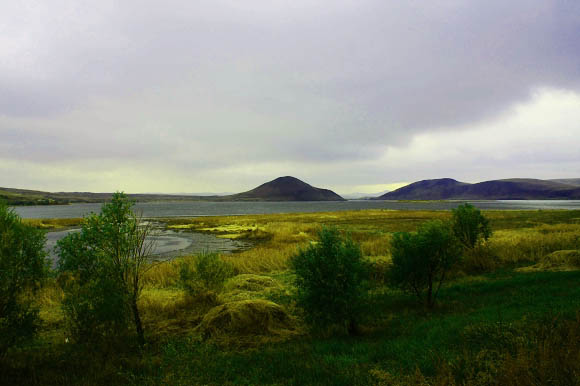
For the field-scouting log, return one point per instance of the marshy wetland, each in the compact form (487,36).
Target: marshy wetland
(508,314)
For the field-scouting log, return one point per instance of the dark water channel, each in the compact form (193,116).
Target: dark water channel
(167,243)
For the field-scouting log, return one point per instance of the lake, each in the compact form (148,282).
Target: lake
(194,209)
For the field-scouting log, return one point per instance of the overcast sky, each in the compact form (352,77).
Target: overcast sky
(223,95)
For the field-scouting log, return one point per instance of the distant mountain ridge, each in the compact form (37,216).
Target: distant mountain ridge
(286,189)
(506,189)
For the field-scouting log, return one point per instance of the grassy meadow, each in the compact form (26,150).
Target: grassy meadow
(509,314)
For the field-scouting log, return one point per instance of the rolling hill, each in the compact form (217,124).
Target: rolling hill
(508,189)
(286,189)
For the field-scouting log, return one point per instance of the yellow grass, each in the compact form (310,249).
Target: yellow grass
(532,244)
(53,223)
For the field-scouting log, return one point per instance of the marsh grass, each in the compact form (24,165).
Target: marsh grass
(529,245)
(53,223)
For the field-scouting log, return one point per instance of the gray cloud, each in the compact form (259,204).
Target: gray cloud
(213,84)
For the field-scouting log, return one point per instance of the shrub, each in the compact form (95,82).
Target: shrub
(96,309)
(107,260)
(470,226)
(205,272)
(422,260)
(330,277)
(23,266)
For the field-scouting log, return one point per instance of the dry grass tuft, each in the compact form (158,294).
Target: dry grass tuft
(248,322)
(250,286)
(169,312)
(567,260)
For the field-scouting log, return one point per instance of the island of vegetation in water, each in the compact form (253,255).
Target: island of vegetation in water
(505,313)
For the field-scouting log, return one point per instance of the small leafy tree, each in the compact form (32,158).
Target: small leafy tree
(470,226)
(422,260)
(107,259)
(330,277)
(23,266)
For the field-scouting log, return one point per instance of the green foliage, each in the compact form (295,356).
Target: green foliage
(422,260)
(470,226)
(330,278)
(107,260)
(23,266)
(96,309)
(205,272)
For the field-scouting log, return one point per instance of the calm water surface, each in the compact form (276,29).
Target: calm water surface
(192,209)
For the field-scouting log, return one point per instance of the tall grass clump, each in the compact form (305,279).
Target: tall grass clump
(330,278)
(205,272)
(514,247)
(263,258)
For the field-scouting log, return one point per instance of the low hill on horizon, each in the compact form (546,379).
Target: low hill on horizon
(36,197)
(286,189)
(281,189)
(506,189)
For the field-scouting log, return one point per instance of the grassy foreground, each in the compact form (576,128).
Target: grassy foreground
(506,317)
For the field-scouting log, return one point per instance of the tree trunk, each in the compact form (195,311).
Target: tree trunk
(138,324)
(430,294)
(352,327)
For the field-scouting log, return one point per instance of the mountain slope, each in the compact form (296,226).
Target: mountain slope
(286,189)
(426,190)
(568,181)
(508,189)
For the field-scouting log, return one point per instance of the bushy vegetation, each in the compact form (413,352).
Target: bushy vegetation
(422,260)
(330,278)
(204,272)
(470,226)
(22,269)
(513,322)
(106,262)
